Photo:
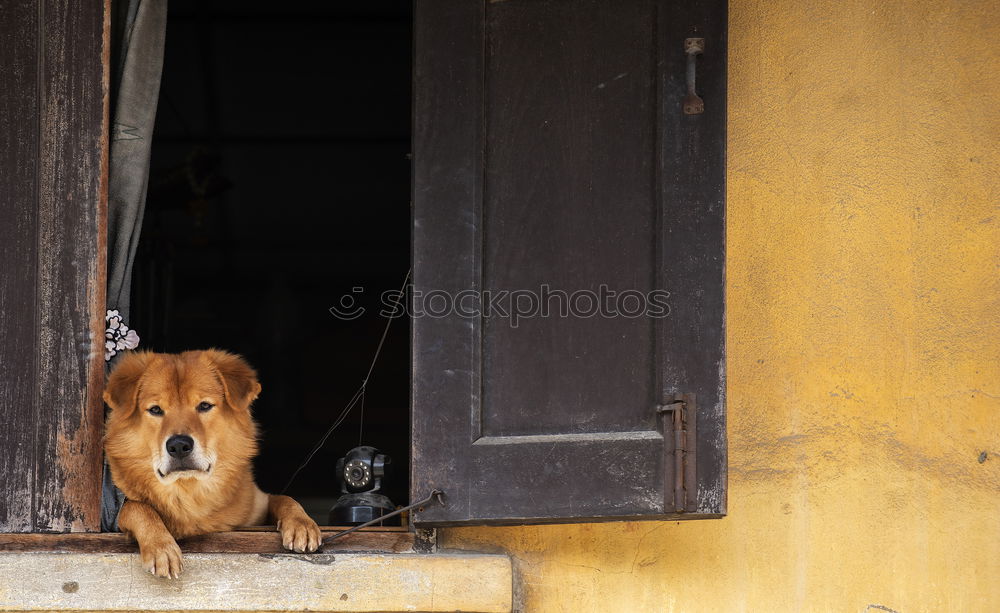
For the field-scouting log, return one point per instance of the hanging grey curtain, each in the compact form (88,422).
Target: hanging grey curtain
(138,28)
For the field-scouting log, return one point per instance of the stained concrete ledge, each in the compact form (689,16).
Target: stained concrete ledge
(258,582)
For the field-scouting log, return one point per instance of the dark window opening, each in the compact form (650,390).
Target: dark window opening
(280,182)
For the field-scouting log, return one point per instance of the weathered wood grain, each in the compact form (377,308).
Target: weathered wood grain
(52,248)
(71,274)
(19,85)
(263,540)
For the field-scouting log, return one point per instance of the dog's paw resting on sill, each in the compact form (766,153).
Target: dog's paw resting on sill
(180,444)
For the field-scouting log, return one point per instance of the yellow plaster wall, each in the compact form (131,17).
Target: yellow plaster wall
(864,258)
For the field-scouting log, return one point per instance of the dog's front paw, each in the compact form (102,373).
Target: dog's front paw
(299,533)
(162,558)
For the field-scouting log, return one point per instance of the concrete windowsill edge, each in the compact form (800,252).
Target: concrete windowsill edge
(259,582)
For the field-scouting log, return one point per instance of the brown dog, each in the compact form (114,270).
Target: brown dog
(180,440)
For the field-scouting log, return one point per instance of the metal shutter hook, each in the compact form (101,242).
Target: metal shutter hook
(693,104)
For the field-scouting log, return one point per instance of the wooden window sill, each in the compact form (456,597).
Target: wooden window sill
(261,539)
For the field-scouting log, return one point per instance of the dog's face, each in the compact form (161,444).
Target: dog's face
(179,417)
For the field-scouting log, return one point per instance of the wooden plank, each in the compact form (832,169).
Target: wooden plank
(53,117)
(71,265)
(447,186)
(19,256)
(691,238)
(244,541)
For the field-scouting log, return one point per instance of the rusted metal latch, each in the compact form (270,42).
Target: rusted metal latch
(678,424)
(693,104)
(436,496)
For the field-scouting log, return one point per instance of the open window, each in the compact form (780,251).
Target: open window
(552,151)
(279,192)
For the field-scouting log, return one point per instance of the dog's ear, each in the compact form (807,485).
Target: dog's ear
(239,379)
(122,389)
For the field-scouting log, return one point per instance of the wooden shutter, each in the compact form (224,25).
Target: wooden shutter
(551,148)
(53,164)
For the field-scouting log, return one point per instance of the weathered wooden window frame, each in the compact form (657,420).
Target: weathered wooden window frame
(58,174)
(53,233)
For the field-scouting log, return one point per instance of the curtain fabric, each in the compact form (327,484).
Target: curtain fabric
(138,29)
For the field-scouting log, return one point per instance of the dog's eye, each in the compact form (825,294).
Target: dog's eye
(155,410)
(205,406)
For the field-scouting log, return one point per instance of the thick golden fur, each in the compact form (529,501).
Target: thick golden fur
(214,490)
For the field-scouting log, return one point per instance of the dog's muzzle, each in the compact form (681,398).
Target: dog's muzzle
(182,455)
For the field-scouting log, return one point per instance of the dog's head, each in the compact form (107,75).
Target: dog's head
(180,416)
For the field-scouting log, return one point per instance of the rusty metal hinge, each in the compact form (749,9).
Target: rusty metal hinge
(678,424)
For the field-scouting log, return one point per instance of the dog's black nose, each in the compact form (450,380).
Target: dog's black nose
(180,445)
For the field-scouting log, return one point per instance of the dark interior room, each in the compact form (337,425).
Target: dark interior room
(279,184)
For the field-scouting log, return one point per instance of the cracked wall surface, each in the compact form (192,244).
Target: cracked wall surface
(863,343)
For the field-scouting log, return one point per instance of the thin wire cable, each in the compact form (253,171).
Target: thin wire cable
(358,395)
(322,441)
(361,421)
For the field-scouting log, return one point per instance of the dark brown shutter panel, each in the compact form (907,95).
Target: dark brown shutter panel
(53,166)
(551,149)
